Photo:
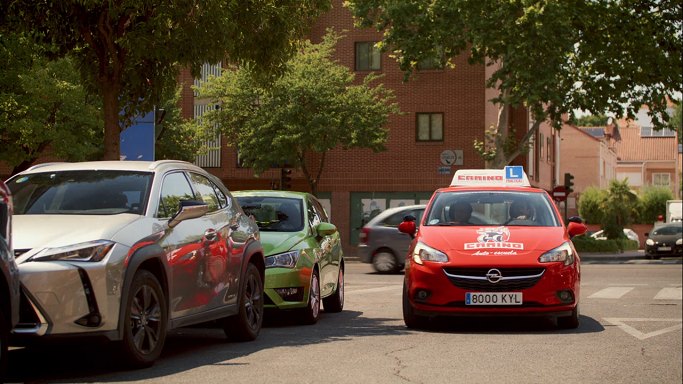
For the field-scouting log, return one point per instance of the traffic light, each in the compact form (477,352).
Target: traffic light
(569,182)
(285,179)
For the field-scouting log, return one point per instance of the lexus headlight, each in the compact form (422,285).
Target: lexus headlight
(650,242)
(284,260)
(88,251)
(679,241)
(562,253)
(422,252)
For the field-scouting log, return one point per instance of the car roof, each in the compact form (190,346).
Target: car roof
(271,193)
(390,211)
(142,166)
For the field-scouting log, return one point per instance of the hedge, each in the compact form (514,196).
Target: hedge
(589,244)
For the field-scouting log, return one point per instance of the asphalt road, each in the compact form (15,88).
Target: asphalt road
(630,333)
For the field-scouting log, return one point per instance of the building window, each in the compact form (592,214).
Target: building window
(429,126)
(661,180)
(207,71)
(548,151)
(210,157)
(647,131)
(540,146)
(368,57)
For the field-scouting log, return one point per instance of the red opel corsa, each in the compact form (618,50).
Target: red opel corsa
(490,244)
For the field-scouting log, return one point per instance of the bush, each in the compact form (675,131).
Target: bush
(653,203)
(589,205)
(589,244)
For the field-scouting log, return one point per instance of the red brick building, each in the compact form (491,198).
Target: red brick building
(356,182)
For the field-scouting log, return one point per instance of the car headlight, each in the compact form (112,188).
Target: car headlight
(88,251)
(679,241)
(422,253)
(562,253)
(650,242)
(283,260)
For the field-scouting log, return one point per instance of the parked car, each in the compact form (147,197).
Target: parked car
(628,232)
(664,239)
(522,262)
(129,250)
(380,242)
(304,258)
(9,277)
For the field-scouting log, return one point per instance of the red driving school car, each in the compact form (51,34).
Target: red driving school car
(491,244)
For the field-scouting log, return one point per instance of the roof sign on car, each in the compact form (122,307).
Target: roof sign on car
(510,176)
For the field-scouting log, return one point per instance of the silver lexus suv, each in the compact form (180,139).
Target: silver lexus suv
(128,250)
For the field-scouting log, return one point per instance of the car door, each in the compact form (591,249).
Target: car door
(391,237)
(329,245)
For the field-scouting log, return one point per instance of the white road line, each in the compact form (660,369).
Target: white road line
(373,290)
(670,294)
(611,293)
(621,323)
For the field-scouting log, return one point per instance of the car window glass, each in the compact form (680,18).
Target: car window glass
(313,217)
(320,210)
(206,191)
(4,219)
(491,208)
(82,192)
(274,214)
(222,199)
(174,189)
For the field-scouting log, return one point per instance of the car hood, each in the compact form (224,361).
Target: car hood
(278,242)
(666,238)
(502,241)
(31,231)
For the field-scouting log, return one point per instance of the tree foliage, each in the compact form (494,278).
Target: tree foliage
(44,105)
(552,57)
(314,107)
(653,203)
(175,138)
(589,120)
(590,203)
(620,209)
(130,52)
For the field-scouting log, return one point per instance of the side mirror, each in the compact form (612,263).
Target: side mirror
(576,229)
(408,226)
(575,219)
(325,229)
(188,209)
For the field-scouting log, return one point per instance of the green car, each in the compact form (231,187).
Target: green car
(304,258)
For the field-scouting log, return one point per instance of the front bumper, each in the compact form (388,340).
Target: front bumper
(287,288)
(661,250)
(432,291)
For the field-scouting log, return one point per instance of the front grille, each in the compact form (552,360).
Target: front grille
(513,279)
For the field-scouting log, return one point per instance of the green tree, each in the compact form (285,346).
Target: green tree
(551,57)
(44,105)
(620,209)
(175,138)
(130,52)
(590,203)
(313,108)
(653,203)
(589,120)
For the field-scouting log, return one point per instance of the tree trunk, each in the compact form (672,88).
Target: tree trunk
(112,129)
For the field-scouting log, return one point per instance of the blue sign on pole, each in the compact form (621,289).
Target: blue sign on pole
(137,141)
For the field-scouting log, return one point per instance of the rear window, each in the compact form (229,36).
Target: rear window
(81,192)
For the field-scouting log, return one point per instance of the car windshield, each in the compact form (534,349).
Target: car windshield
(275,214)
(668,230)
(492,208)
(84,192)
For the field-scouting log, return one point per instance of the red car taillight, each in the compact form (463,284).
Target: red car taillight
(364,235)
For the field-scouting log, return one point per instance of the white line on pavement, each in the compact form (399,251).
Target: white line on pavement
(611,293)
(670,294)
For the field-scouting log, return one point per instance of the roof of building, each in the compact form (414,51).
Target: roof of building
(633,147)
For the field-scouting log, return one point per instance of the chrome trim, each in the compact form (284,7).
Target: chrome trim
(484,278)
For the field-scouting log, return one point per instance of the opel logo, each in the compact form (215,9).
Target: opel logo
(493,276)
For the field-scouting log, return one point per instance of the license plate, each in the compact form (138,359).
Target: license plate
(664,248)
(493,298)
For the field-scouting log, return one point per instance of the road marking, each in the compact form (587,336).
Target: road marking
(611,293)
(620,322)
(373,290)
(670,294)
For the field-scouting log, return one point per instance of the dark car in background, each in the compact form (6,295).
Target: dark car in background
(9,277)
(664,239)
(381,243)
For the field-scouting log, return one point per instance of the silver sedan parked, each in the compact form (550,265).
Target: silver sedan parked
(127,250)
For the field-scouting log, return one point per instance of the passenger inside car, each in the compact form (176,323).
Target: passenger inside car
(521,210)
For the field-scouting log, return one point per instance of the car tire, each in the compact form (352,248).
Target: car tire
(4,338)
(247,323)
(569,322)
(145,321)
(385,262)
(311,313)
(412,320)
(335,302)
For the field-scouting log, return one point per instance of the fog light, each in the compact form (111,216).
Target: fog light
(291,293)
(422,294)
(565,296)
